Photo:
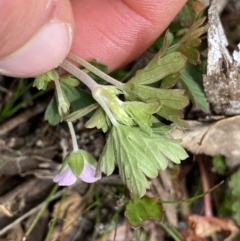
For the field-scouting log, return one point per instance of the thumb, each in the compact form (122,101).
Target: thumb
(36,35)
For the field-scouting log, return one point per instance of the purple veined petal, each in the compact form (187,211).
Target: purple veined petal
(65,178)
(88,173)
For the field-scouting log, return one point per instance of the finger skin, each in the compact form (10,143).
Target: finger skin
(113,32)
(116,32)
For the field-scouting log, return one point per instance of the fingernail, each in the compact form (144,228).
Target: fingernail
(45,51)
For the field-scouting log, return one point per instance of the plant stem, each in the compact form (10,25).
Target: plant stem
(169,230)
(205,185)
(53,223)
(91,84)
(96,71)
(105,107)
(46,203)
(73,136)
(72,69)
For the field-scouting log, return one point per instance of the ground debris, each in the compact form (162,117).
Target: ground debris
(221,84)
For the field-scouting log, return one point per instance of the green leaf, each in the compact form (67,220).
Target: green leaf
(141,113)
(99,120)
(219,164)
(235,180)
(89,158)
(167,41)
(191,40)
(169,81)
(163,130)
(51,114)
(138,155)
(171,100)
(191,79)
(159,67)
(80,113)
(173,115)
(236,209)
(187,14)
(77,97)
(139,210)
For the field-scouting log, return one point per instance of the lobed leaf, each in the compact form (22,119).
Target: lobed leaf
(191,40)
(171,100)
(99,120)
(169,81)
(139,210)
(138,155)
(159,67)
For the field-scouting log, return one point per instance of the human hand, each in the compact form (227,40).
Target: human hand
(36,36)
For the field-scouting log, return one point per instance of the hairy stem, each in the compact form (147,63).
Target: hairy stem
(73,136)
(91,84)
(72,69)
(96,71)
(105,108)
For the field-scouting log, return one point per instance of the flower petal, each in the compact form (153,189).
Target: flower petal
(88,173)
(65,178)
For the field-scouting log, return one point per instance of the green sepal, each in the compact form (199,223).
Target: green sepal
(69,80)
(75,161)
(65,163)
(88,158)
(63,104)
(106,96)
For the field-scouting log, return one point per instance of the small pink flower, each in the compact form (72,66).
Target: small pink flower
(67,178)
